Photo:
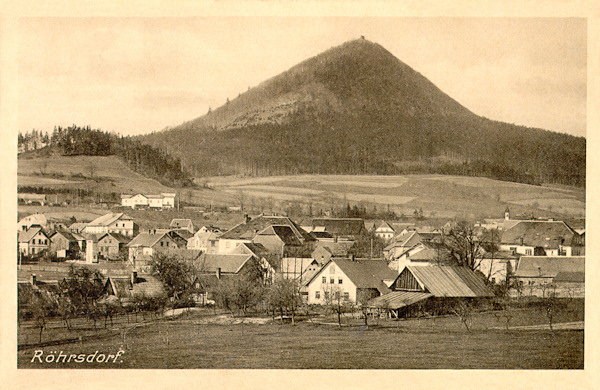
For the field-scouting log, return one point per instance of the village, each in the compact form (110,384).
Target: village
(325,269)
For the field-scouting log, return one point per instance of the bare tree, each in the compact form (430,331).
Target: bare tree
(464,245)
(464,310)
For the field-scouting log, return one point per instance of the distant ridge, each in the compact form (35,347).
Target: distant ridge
(357,109)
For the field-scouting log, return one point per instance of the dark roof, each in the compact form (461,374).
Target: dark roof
(548,266)
(545,234)
(117,236)
(248,230)
(321,235)
(341,226)
(66,234)
(573,277)
(252,248)
(398,299)
(285,234)
(447,281)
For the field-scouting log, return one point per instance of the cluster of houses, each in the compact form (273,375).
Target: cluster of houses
(540,257)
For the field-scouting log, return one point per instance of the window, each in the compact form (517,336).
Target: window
(340,281)
(337,295)
(347,296)
(317,294)
(324,279)
(162,243)
(528,252)
(331,280)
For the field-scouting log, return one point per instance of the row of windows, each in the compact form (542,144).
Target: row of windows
(337,295)
(40,241)
(331,280)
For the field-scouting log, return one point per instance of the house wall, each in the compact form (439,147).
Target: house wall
(321,255)
(499,268)
(127,228)
(38,243)
(227,245)
(331,271)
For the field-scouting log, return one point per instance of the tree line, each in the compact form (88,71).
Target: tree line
(150,161)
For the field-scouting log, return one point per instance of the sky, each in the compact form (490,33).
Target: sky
(139,75)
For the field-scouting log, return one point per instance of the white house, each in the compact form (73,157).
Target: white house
(206,239)
(112,223)
(348,279)
(164,200)
(33,240)
(385,231)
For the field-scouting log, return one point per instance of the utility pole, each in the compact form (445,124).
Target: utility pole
(371,257)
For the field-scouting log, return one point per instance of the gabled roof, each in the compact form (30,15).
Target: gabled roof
(147,240)
(110,218)
(321,234)
(34,219)
(547,266)
(66,234)
(341,226)
(181,222)
(27,235)
(251,248)
(545,234)
(426,251)
(285,234)
(337,249)
(228,263)
(78,226)
(145,285)
(385,226)
(117,236)
(407,239)
(248,230)
(448,281)
(363,273)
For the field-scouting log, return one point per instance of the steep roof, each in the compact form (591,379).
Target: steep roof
(547,266)
(447,281)
(337,249)
(285,234)
(27,235)
(248,230)
(228,263)
(545,234)
(385,226)
(341,226)
(108,219)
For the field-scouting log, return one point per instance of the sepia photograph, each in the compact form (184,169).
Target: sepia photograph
(300,193)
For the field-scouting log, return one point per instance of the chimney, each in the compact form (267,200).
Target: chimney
(133,277)
(521,240)
(33,279)
(218,273)
(352,257)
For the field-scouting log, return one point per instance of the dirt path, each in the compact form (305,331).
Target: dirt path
(577,325)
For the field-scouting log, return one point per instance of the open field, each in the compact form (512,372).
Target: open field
(201,339)
(438,195)
(183,343)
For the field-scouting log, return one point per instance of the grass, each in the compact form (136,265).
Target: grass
(187,343)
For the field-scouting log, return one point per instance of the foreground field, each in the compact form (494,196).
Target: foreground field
(193,342)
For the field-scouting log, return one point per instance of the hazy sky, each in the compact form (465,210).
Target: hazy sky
(138,75)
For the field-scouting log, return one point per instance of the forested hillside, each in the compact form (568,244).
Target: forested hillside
(143,158)
(356,109)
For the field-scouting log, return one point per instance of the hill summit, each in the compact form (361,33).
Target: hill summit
(357,109)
